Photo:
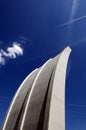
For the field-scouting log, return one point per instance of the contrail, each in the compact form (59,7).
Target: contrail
(5,99)
(72,21)
(77,105)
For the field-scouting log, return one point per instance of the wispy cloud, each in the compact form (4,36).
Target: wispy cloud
(10,53)
(72,19)
(2,60)
(22,39)
(74,6)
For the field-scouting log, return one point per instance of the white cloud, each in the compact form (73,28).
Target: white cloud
(10,53)
(2,60)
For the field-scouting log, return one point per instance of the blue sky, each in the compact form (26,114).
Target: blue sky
(32,31)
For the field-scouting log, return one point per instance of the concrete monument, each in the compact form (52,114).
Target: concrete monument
(39,103)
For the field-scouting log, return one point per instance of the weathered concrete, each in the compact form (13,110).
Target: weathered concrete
(39,103)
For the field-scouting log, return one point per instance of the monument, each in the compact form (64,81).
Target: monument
(39,103)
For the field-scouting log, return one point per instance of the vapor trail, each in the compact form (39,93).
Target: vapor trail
(5,99)
(72,21)
(77,105)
